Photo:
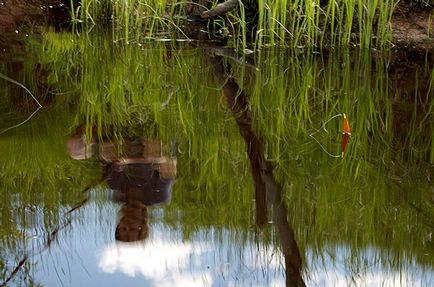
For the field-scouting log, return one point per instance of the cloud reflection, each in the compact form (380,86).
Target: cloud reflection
(163,263)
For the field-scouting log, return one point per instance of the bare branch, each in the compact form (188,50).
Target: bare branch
(220,9)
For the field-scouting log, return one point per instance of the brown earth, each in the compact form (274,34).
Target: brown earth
(414,29)
(15,13)
(18,19)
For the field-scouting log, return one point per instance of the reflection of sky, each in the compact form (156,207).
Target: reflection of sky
(162,262)
(86,254)
(167,260)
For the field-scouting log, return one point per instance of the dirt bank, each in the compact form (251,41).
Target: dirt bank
(20,18)
(414,28)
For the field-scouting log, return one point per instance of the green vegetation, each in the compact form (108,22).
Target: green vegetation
(273,22)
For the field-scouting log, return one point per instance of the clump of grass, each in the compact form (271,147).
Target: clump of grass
(313,23)
(284,23)
(130,20)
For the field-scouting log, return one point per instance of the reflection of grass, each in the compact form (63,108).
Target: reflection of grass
(39,182)
(377,194)
(34,160)
(381,185)
(303,94)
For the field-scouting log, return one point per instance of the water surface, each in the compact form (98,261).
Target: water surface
(255,199)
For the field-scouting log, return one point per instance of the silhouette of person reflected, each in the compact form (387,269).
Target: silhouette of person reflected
(138,172)
(138,186)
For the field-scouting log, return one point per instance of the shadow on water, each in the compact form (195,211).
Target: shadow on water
(265,185)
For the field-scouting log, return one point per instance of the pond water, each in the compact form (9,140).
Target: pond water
(186,164)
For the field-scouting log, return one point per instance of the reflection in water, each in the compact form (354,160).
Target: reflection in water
(237,102)
(138,173)
(347,233)
(133,225)
(265,184)
(154,259)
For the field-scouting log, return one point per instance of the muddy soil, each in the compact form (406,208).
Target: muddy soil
(20,18)
(414,28)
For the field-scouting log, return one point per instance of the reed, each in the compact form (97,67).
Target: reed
(303,23)
(285,23)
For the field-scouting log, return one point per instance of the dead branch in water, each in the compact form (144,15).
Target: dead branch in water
(50,238)
(220,9)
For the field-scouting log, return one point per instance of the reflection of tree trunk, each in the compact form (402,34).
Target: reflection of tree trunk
(285,232)
(262,173)
(237,102)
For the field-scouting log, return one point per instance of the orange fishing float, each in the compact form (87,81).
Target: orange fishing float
(346,125)
(346,134)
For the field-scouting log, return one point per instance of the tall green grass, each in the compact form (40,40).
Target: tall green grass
(293,23)
(131,20)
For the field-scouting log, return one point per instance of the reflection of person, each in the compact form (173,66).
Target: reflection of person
(138,173)
(139,182)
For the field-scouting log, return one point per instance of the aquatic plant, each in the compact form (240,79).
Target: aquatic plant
(286,23)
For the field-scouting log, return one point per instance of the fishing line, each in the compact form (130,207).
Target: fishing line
(323,128)
(28,91)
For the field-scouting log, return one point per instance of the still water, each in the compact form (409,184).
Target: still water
(186,164)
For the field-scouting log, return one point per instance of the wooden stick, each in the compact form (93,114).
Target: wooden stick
(220,9)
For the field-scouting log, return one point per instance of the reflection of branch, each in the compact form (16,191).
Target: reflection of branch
(20,264)
(285,232)
(50,238)
(264,181)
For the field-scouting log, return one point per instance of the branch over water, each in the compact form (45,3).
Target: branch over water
(220,9)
